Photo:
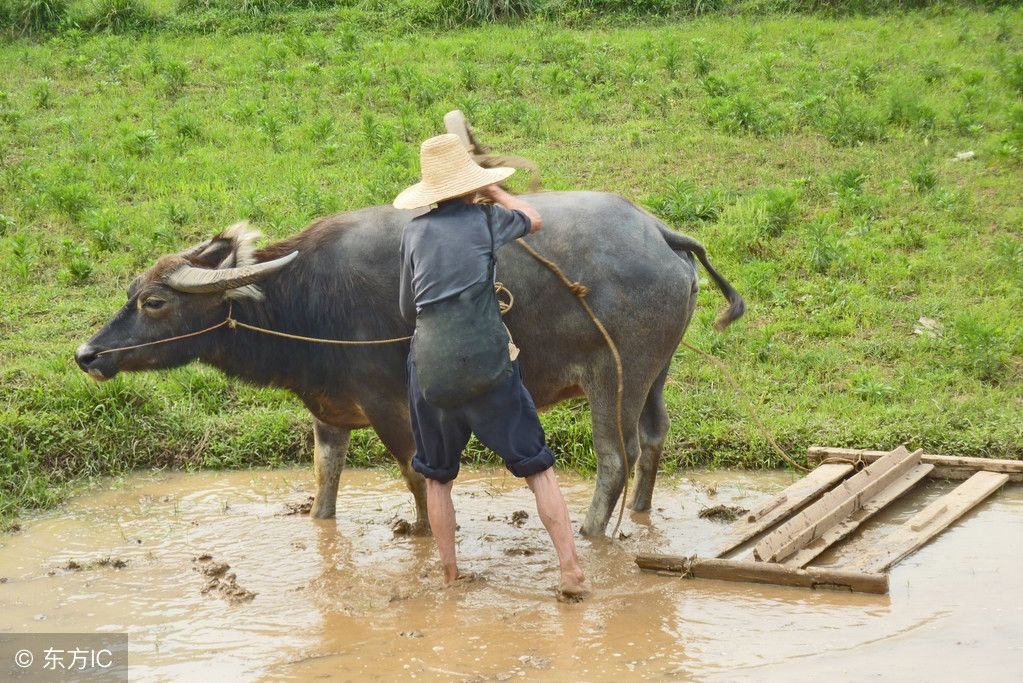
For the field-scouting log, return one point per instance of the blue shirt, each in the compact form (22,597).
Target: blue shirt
(448,250)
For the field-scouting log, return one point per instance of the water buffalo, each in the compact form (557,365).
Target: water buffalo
(343,284)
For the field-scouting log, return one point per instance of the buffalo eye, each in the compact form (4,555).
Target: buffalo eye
(153,304)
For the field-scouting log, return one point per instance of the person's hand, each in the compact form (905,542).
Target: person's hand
(491,191)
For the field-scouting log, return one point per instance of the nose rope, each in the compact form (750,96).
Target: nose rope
(234,323)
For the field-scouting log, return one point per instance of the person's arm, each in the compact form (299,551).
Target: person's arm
(508,201)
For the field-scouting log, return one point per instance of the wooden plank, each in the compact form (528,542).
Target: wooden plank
(945,466)
(796,496)
(843,529)
(931,521)
(765,572)
(834,506)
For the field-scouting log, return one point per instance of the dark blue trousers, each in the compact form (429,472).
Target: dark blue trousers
(504,420)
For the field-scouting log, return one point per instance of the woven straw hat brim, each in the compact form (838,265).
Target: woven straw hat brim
(464,181)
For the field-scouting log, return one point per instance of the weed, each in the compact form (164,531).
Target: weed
(863,76)
(78,266)
(103,230)
(120,16)
(6,225)
(23,256)
(470,12)
(907,109)
(824,249)
(849,181)
(865,386)
(142,143)
(739,113)
(978,345)
(187,125)
(933,72)
(175,77)
(323,128)
(923,177)
(780,208)
(28,17)
(273,129)
(849,123)
(702,64)
(1013,73)
(42,94)
(1009,252)
(177,214)
(71,198)
(683,203)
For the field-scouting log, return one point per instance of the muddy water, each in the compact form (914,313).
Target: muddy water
(349,600)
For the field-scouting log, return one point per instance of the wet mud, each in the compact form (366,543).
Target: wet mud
(351,599)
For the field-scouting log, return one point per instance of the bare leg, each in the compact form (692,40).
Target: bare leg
(442,522)
(550,505)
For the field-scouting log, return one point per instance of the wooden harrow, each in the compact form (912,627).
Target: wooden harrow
(828,505)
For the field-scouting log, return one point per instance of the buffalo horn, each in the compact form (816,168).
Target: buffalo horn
(194,280)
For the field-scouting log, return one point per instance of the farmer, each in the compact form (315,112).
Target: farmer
(463,378)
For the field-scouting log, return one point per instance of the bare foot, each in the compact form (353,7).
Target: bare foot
(462,579)
(573,588)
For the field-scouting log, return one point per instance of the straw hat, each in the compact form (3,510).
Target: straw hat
(448,171)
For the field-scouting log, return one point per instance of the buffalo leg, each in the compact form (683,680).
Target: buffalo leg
(394,427)
(653,428)
(331,449)
(611,467)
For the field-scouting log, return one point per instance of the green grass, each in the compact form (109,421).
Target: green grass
(814,157)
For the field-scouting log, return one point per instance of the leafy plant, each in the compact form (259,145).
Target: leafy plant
(28,17)
(42,93)
(120,16)
(470,12)
(863,76)
(71,198)
(978,345)
(923,176)
(906,108)
(824,248)
(175,77)
(142,143)
(683,203)
(868,388)
(103,230)
(850,124)
(701,59)
(78,266)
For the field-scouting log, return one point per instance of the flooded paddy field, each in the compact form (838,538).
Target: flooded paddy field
(350,599)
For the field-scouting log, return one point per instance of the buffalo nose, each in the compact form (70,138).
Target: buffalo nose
(85,355)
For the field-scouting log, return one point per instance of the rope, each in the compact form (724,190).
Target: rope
(749,405)
(315,340)
(225,321)
(234,323)
(580,291)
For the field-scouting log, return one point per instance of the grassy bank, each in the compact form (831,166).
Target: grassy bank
(815,157)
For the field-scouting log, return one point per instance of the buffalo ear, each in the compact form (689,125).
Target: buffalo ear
(213,253)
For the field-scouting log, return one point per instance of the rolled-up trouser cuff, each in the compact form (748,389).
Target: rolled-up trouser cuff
(443,475)
(538,463)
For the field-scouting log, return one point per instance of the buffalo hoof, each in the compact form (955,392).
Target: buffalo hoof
(322,510)
(641,505)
